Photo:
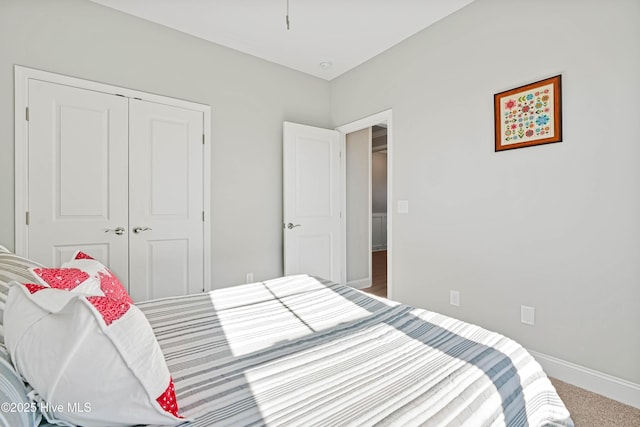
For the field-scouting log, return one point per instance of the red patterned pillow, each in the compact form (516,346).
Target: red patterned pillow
(110,285)
(85,275)
(89,350)
(62,278)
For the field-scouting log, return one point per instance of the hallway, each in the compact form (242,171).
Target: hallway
(379,274)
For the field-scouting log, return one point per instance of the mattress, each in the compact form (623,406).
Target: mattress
(303,351)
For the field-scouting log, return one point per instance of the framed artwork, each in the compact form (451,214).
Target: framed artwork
(528,115)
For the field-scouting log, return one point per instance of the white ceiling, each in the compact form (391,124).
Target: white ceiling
(345,33)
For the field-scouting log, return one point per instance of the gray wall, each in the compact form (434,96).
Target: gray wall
(556,227)
(379,182)
(250,98)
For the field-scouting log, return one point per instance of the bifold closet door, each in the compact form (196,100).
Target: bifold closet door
(120,179)
(78,184)
(165,200)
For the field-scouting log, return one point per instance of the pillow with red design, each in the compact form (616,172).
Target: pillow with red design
(85,275)
(110,286)
(92,360)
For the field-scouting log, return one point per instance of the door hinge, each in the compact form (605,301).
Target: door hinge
(27,114)
(26,217)
(203,139)
(202,216)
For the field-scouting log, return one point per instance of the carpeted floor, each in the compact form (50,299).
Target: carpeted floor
(593,410)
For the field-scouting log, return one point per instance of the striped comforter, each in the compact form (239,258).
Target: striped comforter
(299,351)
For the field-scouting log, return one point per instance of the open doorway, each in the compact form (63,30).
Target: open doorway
(367,200)
(379,203)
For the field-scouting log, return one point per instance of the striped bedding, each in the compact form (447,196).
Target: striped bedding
(12,267)
(300,351)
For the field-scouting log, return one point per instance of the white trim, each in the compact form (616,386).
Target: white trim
(22,75)
(206,198)
(369,203)
(598,382)
(385,117)
(360,284)
(21,169)
(375,215)
(30,73)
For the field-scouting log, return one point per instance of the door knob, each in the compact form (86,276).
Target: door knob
(139,230)
(290,225)
(118,230)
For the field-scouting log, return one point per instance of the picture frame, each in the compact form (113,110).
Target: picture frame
(529,115)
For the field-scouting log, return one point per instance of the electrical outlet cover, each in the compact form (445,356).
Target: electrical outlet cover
(528,315)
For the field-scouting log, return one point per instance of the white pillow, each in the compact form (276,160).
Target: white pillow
(92,359)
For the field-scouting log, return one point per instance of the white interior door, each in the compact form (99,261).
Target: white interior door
(358,208)
(166,200)
(312,228)
(77,175)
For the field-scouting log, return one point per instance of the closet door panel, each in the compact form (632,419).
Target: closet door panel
(77,175)
(165,200)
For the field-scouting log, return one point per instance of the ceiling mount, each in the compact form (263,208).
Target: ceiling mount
(287,17)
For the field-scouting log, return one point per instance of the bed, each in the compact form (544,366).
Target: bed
(304,351)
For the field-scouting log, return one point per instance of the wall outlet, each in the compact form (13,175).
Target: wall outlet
(527,315)
(454,298)
(249,278)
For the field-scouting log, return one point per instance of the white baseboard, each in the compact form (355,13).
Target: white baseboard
(360,284)
(598,382)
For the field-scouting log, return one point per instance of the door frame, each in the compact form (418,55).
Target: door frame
(22,75)
(363,123)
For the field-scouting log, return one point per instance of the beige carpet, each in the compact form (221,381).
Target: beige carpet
(593,410)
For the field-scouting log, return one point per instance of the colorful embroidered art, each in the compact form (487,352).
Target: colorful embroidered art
(528,115)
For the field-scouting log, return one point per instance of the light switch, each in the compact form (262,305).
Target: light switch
(403,206)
